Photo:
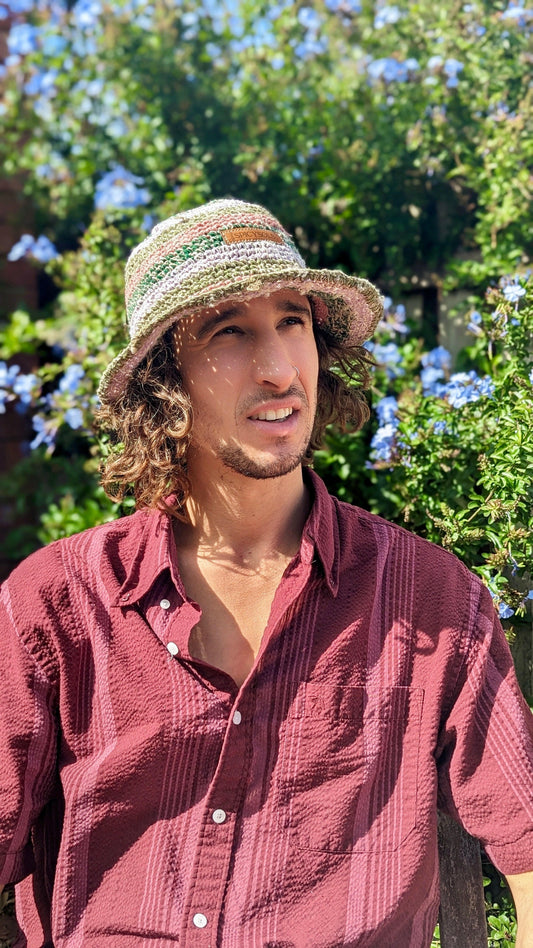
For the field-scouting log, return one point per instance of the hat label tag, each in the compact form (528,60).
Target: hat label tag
(237,235)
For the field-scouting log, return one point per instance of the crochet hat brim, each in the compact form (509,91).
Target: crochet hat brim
(346,308)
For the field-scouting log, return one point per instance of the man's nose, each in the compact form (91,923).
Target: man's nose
(272,364)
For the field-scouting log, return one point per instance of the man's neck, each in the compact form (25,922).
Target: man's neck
(245,519)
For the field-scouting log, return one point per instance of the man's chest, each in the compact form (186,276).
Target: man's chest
(235,609)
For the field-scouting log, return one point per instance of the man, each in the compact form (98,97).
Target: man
(229,718)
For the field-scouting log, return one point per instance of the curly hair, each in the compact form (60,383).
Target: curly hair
(151,421)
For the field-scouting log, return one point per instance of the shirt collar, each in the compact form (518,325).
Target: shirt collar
(321,531)
(149,548)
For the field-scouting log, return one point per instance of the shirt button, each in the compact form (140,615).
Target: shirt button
(219,816)
(237,717)
(199,920)
(173,648)
(165,604)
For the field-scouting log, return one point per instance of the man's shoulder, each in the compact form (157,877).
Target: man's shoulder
(48,567)
(393,539)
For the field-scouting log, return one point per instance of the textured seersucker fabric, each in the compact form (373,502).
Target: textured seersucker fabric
(298,811)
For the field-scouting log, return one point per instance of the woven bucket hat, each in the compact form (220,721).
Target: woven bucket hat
(228,249)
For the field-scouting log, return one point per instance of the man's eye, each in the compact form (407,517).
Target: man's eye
(294,321)
(228,331)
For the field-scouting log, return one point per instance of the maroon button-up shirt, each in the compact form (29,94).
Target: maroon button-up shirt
(157,804)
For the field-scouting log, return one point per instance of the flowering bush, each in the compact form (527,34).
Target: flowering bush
(120,113)
(388,137)
(451,452)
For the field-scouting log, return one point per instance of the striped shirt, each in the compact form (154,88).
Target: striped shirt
(147,801)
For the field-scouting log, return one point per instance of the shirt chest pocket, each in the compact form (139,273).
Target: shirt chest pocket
(346,778)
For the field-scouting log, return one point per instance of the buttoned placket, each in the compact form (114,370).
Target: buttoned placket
(172,618)
(223,804)
(204,902)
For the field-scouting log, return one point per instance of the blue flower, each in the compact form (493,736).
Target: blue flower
(517,13)
(148,221)
(513,292)
(41,249)
(53,44)
(119,188)
(438,358)
(505,611)
(467,387)
(22,39)
(388,69)
(383,443)
(44,250)
(21,248)
(431,379)
(386,410)
(475,323)
(340,6)
(387,353)
(71,379)
(387,16)
(74,418)
(452,67)
(86,13)
(309,18)
(440,427)
(389,356)
(8,374)
(45,434)
(42,82)
(393,317)
(24,386)
(20,6)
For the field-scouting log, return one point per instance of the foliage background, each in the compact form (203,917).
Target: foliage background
(393,140)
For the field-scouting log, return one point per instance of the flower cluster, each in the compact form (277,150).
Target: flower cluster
(66,404)
(387,355)
(387,16)
(17,386)
(463,388)
(384,441)
(388,69)
(41,249)
(119,188)
(512,289)
(450,68)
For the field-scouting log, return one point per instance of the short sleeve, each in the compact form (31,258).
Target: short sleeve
(485,758)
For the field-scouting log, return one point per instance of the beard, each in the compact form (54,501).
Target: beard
(238,461)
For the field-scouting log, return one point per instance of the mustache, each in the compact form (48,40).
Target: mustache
(253,401)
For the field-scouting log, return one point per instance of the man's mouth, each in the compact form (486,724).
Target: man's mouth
(272,415)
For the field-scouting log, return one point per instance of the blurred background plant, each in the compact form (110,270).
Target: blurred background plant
(393,140)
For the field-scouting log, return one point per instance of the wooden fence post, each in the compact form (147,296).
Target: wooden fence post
(462,918)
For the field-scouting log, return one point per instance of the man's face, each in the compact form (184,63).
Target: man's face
(252,413)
